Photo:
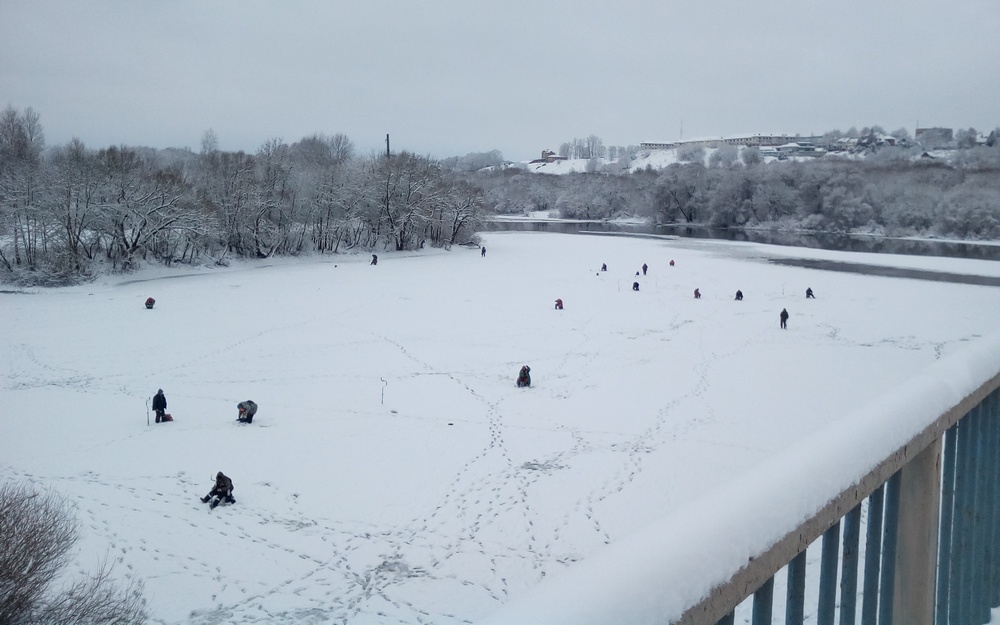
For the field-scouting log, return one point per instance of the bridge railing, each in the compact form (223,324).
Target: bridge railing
(915,471)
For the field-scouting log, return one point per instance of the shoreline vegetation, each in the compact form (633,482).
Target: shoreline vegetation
(70,212)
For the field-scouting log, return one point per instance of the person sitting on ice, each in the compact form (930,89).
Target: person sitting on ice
(697,294)
(739,295)
(635,286)
(524,377)
(222,491)
(247,410)
(604,266)
(809,294)
(150,302)
(559,304)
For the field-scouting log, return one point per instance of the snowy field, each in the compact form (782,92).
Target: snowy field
(394,474)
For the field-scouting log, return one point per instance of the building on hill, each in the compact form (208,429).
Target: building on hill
(755,141)
(548,156)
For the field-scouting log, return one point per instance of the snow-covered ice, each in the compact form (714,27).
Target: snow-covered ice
(394,474)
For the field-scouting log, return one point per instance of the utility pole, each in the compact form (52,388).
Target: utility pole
(387,145)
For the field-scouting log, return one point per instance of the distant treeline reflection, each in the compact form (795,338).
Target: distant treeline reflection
(825,241)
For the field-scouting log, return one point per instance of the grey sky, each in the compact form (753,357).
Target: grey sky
(449,77)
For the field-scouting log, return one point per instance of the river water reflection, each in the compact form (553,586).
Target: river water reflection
(839,242)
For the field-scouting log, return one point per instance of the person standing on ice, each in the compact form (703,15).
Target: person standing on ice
(374,259)
(644,268)
(247,410)
(784,319)
(222,491)
(159,406)
(483,252)
(524,377)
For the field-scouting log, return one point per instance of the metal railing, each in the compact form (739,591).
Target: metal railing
(929,512)
(932,543)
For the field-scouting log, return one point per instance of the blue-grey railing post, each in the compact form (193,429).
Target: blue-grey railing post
(795,595)
(960,590)
(849,573)
(980,607)
(763,603)
(890,534)
(827,608)
(993,418)
(873,553)
(945,542)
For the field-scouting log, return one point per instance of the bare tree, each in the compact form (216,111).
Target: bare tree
(209,142)
(38,536)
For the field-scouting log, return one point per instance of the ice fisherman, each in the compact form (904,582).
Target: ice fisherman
(644,268)
(559,304)
(374,259)
(697,294)
(809,294)
(739,295)
(159,405)
(247,410)
(784,319)
(150,302)
(222,491)
(524,377)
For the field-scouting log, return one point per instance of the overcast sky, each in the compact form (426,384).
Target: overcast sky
(445,78)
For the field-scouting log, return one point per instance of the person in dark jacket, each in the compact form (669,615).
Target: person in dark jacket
(247,409)
(374,259)
(809,294)
(159,405)
(635,286)
(739,295)
(150,302)
(524,377)
(644,268)
(697,294)
(784,319)
(222,491)
(559,304)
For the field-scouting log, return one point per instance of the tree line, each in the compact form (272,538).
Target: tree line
(888,190)
(69,211)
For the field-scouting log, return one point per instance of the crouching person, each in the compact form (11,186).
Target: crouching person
(524,377)
(247,410)
(222,491)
